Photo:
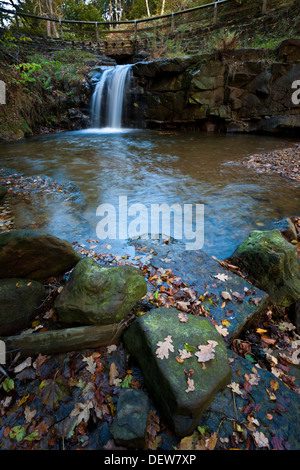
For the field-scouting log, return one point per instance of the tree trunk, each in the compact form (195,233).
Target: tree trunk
(148,10)
(163,7)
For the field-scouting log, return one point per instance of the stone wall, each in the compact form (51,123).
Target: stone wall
(243,91)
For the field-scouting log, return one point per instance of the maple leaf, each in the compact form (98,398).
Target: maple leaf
(164,347)
(206,352)
(52,391)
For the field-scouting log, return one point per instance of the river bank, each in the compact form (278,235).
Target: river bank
(285,162)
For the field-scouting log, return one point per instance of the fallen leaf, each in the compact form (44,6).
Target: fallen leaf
(164,347)
(206,352)
(222,277)
(184,354)
(225,295)
(113,374)
(182,317)
(191,385)
(260,439)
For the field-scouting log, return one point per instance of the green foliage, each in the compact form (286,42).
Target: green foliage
(44,72)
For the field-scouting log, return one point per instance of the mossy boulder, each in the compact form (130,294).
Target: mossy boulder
(36,255)
(272,264)
(166,379)
(19,301)
(97,294)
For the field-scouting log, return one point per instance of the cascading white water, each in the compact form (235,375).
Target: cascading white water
(108,97)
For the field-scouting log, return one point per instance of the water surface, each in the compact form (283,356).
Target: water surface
(165,167)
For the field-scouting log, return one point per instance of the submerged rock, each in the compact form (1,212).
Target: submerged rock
(272,264)
(169,380)
(19,300)
(130,424)
(100,294)
(36,255)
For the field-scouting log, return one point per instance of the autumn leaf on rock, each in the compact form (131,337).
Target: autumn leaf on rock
(182,317)
(191,385)
(222,277)
(206,352)
(235,388)
(184,354)
(225,295)
(164,347)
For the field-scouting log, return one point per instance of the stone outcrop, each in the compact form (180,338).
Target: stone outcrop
(242,91)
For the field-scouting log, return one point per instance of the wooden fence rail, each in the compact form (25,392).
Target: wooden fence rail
(208,13)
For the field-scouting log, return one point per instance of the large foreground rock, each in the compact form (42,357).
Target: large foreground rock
(34,255)
(166,378)
(100,294)
(19,300)
(271,263)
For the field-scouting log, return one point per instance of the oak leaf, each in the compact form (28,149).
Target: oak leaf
(164,347)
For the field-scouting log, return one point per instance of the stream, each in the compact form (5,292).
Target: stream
(161,167)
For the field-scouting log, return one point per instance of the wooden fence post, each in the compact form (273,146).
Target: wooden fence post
(264,7)
(61,29)
(215,13)
(135,30)
(172,23)
(97,32)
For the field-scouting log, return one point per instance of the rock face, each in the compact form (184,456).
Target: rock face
(130,424)
(19,300)
(34,255)
(272,264)
(95,294)
(245,93)
(166,378)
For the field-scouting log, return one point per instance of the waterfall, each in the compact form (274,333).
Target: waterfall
(108,97)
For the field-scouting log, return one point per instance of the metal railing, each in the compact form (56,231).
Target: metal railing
(205,15)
